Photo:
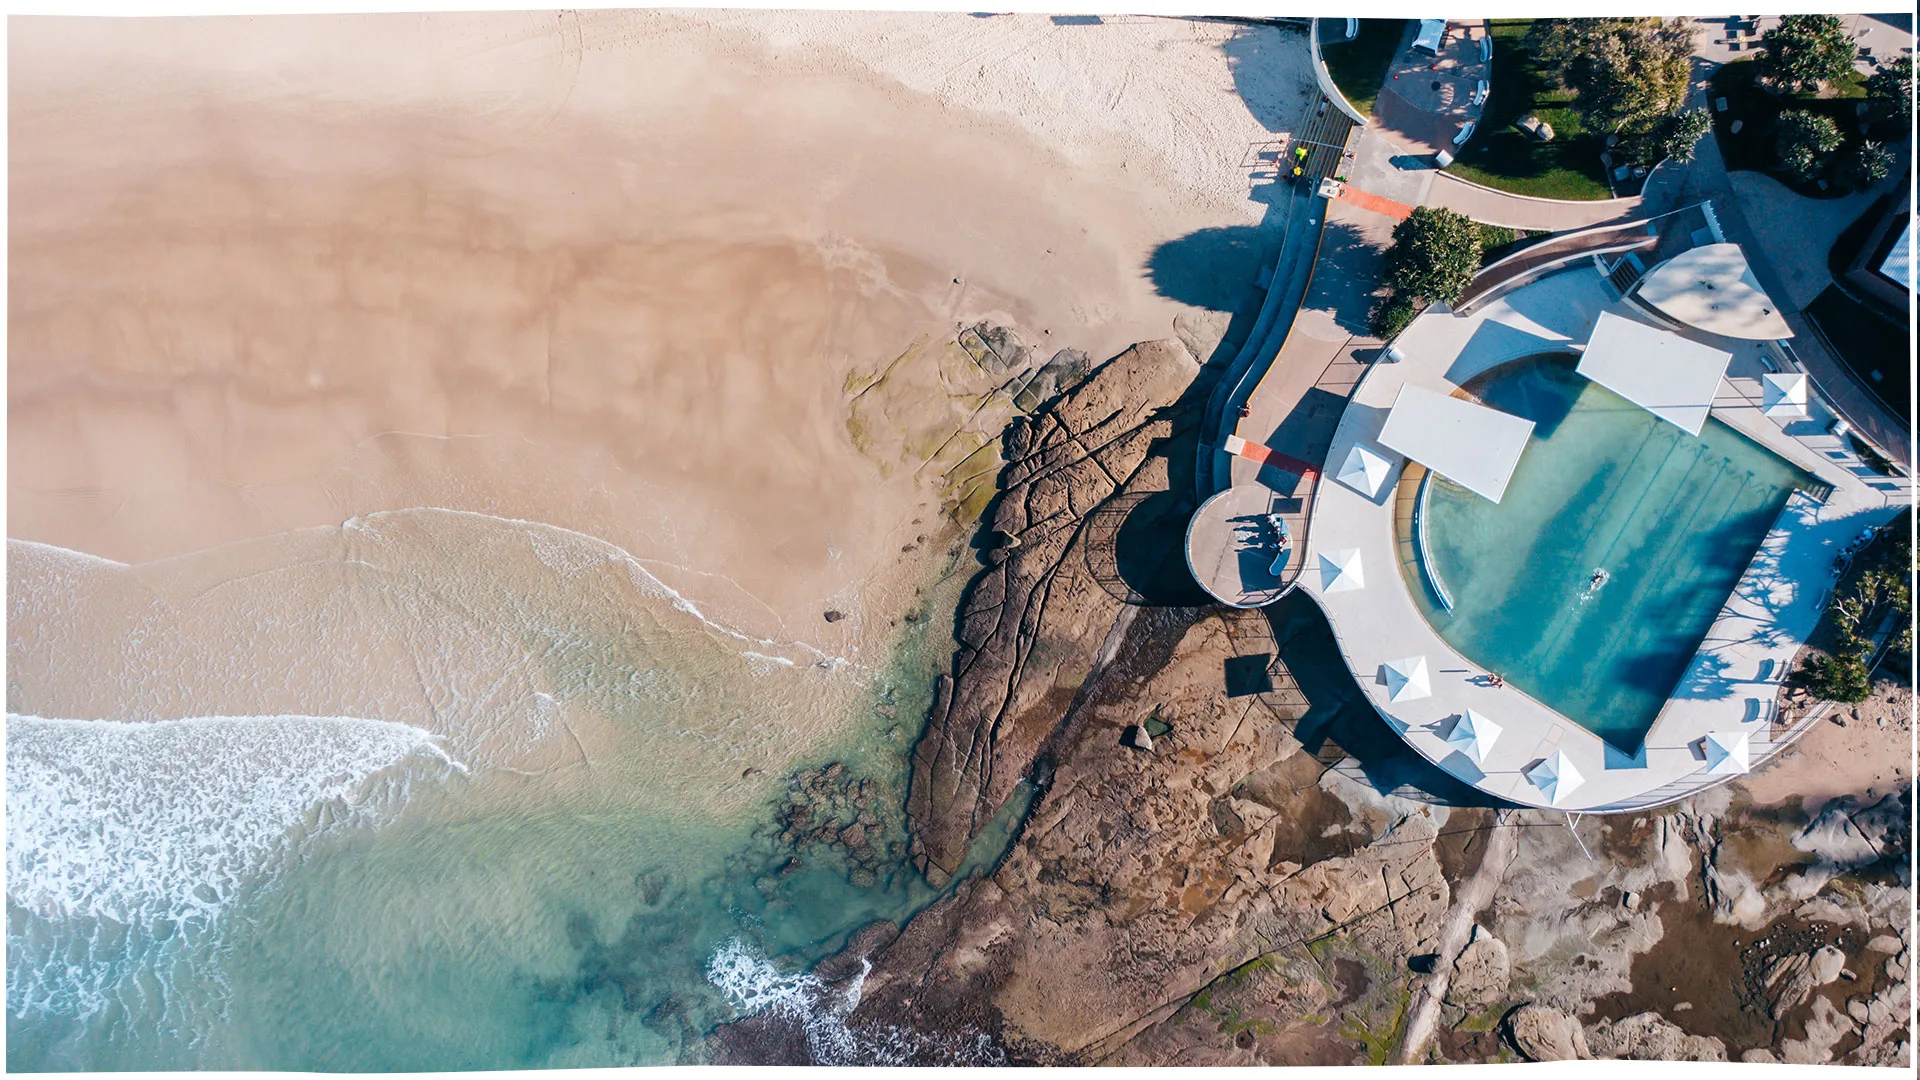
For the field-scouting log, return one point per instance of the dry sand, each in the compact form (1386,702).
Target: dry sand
(612,271)
(1863,750)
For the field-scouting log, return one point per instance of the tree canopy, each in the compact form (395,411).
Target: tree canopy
(1806,141)
(1627,74)
(1677,135)
(1434,256)
(1805,51)
(1891,87)
(1866,165)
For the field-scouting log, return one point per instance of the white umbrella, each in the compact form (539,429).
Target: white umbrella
(1727,752)
(1556,777)
(1364,471)
(1340,571)
(1473,735)
(1784,393)
(1407,679)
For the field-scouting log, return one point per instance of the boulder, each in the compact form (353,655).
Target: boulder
(1825,964)
(1480,973)
(1543,1033)
(1648,1036)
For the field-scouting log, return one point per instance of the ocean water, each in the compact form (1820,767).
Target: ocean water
(1672,519)
(430,790)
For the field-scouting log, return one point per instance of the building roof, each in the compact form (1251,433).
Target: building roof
(1660,371)
(1470,444)
(1898,265)
(1712,288)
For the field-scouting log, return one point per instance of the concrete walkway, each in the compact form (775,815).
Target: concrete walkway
(1524,211)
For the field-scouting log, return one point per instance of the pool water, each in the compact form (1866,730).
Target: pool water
(1673,519)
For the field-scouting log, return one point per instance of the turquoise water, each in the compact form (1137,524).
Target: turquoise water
(431,791)
(1672,518)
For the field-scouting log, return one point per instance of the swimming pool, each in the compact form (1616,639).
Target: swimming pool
(1672,519)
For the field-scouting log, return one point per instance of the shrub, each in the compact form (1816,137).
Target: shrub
(1890,89)
(1866,165)
(1836,678)
(1805,142)
(1434,256)
(1391,315)
(1805,51)
(1678,134)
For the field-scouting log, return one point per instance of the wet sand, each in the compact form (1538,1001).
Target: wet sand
(612,271)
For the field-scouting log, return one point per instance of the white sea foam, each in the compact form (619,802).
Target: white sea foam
(139,822)
(752,985)
(566,552)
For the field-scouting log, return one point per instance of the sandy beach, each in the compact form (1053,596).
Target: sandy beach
(610,271)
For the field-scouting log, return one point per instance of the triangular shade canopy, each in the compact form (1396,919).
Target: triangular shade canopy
(1556,777)
(1727,753)
(1363,471)
(1407,679)
(1473,735)
(1340,571)
(1784,394)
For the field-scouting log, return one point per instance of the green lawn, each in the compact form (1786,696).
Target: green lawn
(1752,147)
(1359,67)
(1504,157)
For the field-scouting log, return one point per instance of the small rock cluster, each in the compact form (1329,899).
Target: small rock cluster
(828,810)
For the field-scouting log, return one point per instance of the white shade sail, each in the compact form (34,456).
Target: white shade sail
(1363,471)
(1783,393)
(1556,777)
(1473,735)
(1728,752)
(1407,679)
(1470,444)
(1340,571)
(1670,376)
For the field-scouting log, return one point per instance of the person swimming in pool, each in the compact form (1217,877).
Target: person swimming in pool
(1600,577)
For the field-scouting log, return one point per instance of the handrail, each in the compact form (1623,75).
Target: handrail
(1325,78)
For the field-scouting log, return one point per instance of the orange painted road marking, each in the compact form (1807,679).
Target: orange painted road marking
(1398,211)
(1267,455)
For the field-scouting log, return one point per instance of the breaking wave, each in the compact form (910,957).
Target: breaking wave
(753,985)
(125,838)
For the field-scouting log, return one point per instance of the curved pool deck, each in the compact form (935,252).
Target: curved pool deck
(1731,682)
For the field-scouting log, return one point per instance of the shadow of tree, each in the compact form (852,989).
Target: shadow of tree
(1217,269)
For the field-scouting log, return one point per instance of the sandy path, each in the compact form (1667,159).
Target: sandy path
(609,270)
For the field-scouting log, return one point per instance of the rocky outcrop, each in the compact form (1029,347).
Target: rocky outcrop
(1651,1037)
(1480,973)
(1033,624)
(1542,1033)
